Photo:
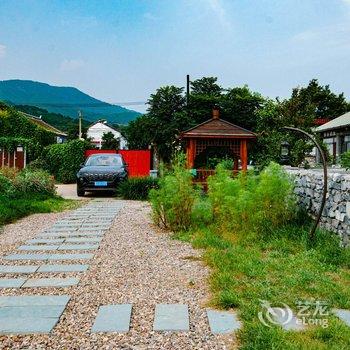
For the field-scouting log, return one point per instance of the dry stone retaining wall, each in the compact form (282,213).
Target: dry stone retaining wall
(336,214)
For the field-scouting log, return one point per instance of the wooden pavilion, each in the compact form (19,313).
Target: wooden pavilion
(217,133)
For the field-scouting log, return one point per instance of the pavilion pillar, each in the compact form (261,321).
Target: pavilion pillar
(244,155)
(191,151)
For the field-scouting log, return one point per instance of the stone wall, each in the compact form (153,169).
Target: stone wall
(336,214)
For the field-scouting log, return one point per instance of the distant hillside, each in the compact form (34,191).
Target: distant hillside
(62,100)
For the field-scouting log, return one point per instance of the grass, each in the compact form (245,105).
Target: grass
(14,209)
(278,267)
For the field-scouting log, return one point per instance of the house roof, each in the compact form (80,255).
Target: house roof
(340,122)
(38,121)
(215,128)
(104,122)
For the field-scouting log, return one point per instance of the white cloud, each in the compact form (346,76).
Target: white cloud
(71,65)
(220,13)
(2,51)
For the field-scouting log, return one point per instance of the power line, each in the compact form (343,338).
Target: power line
(88,105)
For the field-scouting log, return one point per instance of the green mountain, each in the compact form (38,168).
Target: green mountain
(63,100)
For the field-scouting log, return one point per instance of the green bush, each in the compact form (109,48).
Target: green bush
(6,185)
(33,182)
(172,203)
(252,203)
(64,160)
(137,188)
(345,160)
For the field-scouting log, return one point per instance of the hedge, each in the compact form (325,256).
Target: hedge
(137,188)
(63,160)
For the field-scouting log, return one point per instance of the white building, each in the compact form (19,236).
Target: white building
(336,135)
(95,133)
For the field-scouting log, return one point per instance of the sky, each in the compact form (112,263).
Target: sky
(123,50)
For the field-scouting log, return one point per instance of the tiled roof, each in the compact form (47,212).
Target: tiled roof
(38,121)
(218,128)
(342,121)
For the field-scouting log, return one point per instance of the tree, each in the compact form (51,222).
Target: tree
(139,132)
(240,106)
(312,102)
(162,124)
(205,95)
(109,141)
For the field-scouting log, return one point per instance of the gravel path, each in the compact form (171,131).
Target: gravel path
(136,263)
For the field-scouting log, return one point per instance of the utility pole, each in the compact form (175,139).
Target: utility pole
(188,89)
(80,117)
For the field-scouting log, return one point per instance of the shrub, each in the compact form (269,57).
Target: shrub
(345,160)
(29,182)
(6,185)
(137,188)
(37,164)
(252,203)
(9,172)
(64,160)
(172,203)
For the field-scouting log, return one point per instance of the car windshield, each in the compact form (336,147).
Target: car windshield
(104,160)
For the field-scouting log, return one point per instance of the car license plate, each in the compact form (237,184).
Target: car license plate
(101,183)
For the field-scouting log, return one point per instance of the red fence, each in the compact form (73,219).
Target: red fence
(138,161)
(13,159)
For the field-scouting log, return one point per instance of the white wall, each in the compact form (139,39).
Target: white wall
(96,131)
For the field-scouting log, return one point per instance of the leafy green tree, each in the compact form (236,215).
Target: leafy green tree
(109,141)
(312,102)
(165,119)
(139,132)
(205,95)
(240,106)
(267,148)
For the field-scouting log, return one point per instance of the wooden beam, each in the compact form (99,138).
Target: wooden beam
(190,153)
(244,155)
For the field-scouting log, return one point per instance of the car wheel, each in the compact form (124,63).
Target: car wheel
(80,192)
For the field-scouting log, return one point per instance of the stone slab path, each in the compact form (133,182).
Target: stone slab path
(136,289)
(30,314)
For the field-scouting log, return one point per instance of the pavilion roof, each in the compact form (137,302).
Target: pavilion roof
(217,128)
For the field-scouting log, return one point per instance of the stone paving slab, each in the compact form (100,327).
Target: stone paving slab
(279,315)
(63,268)
(29,314)
(171,317)
(31,300)
(113,318)
(38,247)
(221,322)
(62,229)
(31,311)
(30,325)
(12,282)
(50,282)
(18,268)
(78,247)
(27,257)
(344,315)
(45,241)
(81,256)
(83,240)
(77,234)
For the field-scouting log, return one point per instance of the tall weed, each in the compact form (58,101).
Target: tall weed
(172,203)
(252,203)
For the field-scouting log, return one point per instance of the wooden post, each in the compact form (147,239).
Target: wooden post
(191,151)
(244,155)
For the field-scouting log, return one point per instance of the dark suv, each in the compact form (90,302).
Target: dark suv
(101,172)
